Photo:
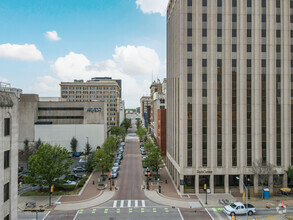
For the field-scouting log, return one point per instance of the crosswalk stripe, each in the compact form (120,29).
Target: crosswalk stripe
(136,203)
(129,203)
(121,203)
(143,203)
(115,204)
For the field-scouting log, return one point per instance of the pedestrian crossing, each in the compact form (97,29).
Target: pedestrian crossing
(118,210)
(128,203)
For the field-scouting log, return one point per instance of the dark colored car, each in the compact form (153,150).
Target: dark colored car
(77,154)
(78,170)
(73,177)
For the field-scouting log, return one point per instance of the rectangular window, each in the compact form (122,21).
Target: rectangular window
(204,17)
(234,63)
(219,47)
(189,77)
(219,17)
(248,32)
(263,48)
(291,3)
(278,33)
(6,192)
(6,126)
(189,3)
(264,3)
(189,62)
(234,3)
(234,17)
(248,47)
(189,47)
(204,32)
(278,48)
(204,47)
(291,18)
(263,33)
(248,3)
(278,4)
(6,159)
(189,17)
(234,48)
(189,32)
(204,3)
(219,3)
(189,92)
(263,18)
(278,18)
(249,18)
(219,32)
(204,62)
(234,32)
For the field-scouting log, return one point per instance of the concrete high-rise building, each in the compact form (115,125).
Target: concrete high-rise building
(229,92)
(8,155)
(98,89)
(155,88)
(145,110)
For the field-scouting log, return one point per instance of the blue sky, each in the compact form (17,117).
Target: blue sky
(119,38)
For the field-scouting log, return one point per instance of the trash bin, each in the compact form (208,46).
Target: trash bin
(266,193)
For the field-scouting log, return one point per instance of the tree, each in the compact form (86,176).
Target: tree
(27,152)
(102,161)
(126,123)
(37,144)
(149,145)
(154,159)
(87,149)
(123,133)
(73,145)
(141,132)
(290,174)
(115,130)
(110,145)
(263,171)
(47,165)
(90,162)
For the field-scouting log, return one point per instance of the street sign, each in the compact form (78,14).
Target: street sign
(181,182)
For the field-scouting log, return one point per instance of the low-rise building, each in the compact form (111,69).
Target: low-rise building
(8,155)
(57,122)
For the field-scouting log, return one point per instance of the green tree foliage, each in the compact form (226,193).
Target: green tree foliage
(87,149)
(27,151)
(126,123)
(149,145)
(138,123)
(37,144)
(73,145)
(110,145)
(115,130)
(102,161)
(47,165)
(290,174)
(90,162)
(154,159)
(141,132)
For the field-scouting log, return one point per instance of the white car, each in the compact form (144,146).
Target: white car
(238,208)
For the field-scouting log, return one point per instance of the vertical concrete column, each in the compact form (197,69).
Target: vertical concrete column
(255,183)
(197,184)
(181,177)
(212,183)
(226,183)
(241,184)
(285,180)
(271,183)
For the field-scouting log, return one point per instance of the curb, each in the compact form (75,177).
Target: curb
(85,200)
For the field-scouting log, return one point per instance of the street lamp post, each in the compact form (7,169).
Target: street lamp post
(248,182)
(245,195)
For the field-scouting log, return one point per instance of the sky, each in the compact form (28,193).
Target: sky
(44,42)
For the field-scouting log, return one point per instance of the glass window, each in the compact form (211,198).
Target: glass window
(291,18)
(6,126)
(234,48)
(6,159)
(189,92)
(189,62)
(219,17)
(189,32)
(248,3)
(204,17)
(234,63)
(263,33)
(189,3)
(278,48)
(234,32)
(204,62)
(248,63)
(189,77)
(264,3)
(219,3)
(219,47)
(204,3)
(263,48)
(6,192)
(189,47)
(278,33)
(204,32)
(263,18)
(204,47)
(248,32)
(234,17)
(189,17)
(249,18)
(278,18)
(248,47)
(234,3)
(219,32)
(278,4)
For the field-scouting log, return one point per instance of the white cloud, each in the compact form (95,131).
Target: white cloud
(46,86)
(52,35)
(136,61)
(152,6)
(26,52)
(133,65)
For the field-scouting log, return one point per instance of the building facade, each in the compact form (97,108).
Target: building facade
(145,110)
(155,88)
(98,90)
(121,112)
(161,130)
(229,86)
(57,122)
(8,155)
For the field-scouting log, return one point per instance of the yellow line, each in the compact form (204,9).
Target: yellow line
(266,217)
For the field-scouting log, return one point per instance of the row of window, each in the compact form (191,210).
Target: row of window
(86,92)
(86,88)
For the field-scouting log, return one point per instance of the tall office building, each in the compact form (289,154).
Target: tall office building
(229,86)
(98,89)
(8,155)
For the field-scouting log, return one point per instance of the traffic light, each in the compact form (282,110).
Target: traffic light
(52,189)
(232,217)
(205,187)
(148,174)
(110,175)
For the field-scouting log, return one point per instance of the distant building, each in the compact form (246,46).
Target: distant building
(8,155)
(122,112)
(145,103)
(57,122)
(6,87)
(155,88)
(161,130)
(104,89)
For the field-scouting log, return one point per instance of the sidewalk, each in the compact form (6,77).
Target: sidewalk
(169,195)
(39,200)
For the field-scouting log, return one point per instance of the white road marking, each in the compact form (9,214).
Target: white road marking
(180,214)
(136,203)
(209,213)
(46,215)
(115,204)
(121,203)
(129,203)
(143,203)
(76,215)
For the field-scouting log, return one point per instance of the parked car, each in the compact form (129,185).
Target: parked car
(78,169)
(70,154)
(77,154)
(143,153)
(238,208)
(73,177)
(123,143)
(114,174)
(69,182)
(115,169)
(117,161)
(144,157)
(116,166)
